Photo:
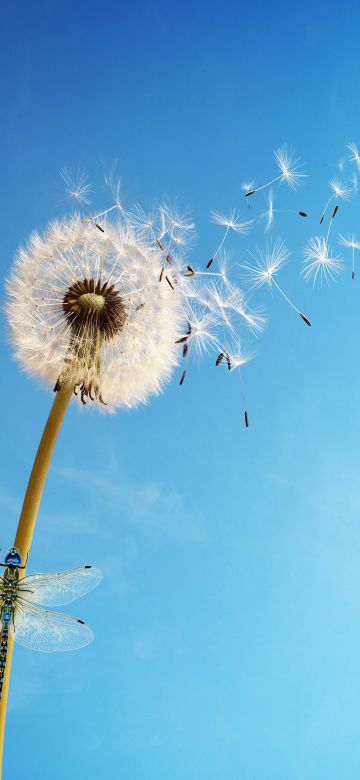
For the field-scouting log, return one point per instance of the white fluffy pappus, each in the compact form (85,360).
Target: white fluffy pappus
(86,310)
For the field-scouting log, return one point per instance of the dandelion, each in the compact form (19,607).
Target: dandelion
(352,242)
(339,190)
(86,312)
(355,156)
(290,170)
(231,222)
(269,214)
(268,263)
(77,187)
(320,264)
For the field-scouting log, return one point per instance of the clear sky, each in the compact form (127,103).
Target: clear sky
(228,622)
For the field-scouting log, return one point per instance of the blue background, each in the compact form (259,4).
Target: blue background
(228,623)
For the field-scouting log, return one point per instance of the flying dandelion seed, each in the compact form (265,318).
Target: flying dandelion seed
(234,358)
(86,311)
(78,188)
(351,242)
(339,190)
(267,263)
(289,167)
(320,263)
(231,222)
(355,156)
(269,214)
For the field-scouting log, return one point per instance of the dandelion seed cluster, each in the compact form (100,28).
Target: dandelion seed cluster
(86,310)
(109,304)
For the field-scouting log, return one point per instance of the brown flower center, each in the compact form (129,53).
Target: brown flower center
(94,308)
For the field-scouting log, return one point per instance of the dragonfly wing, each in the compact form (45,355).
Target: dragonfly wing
(48,632)
(54,590)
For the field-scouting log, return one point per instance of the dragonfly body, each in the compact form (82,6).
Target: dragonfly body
(35,627)
(7,602)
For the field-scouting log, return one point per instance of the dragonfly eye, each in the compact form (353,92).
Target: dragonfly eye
(13,557)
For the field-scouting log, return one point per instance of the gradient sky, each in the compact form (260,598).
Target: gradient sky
(228,622)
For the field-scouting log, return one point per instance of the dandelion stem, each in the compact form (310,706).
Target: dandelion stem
(285,296)
(96,216)
(28,517)
(221,242)
(263,186)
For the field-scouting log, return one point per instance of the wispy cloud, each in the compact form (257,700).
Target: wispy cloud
(149,506)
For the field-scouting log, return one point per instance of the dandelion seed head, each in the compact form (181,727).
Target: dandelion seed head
(77,186)
(289,166)
(355,156)
(349,240)
(268,262)
(238,355)
(233,221)
(320,264)
(86,310)
(339,189)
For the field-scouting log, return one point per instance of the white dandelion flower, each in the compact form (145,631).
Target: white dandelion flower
(350,241)
(321,265)
(355,156)
(77,186)
(290,170)
(267,263)
(86,310)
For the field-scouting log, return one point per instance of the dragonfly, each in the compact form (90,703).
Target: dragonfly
(31,625)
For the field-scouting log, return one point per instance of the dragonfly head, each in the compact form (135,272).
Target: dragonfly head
(13,557)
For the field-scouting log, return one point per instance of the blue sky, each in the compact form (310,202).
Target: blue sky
(228,622)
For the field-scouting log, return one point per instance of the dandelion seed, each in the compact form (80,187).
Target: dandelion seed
(355,156)
(77,187)
(268,262)
(219,359)
(246,419)
(269,214)
(231,222)
(290,170)
(339,190)
(351,242)
(183,375)
(320,264)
